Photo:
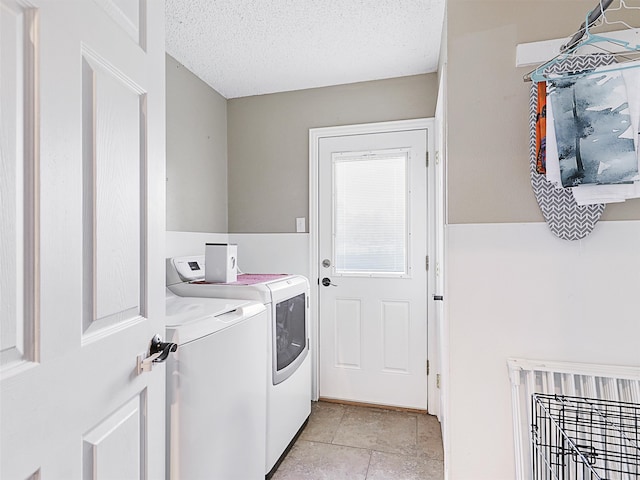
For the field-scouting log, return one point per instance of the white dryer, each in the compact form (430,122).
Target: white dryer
(286,298)
(216,399)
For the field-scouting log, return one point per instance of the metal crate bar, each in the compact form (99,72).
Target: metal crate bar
(584,438)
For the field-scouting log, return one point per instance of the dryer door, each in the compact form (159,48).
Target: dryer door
(291,337)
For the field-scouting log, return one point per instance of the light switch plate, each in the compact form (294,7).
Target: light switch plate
(300,225)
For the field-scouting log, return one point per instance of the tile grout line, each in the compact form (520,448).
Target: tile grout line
(343,424)
(344,412)
(366,474)
(417,437)
(338,428)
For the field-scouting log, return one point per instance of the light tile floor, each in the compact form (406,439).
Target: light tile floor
(343,442)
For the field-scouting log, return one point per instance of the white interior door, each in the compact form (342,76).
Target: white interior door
(82,184)
(372,202)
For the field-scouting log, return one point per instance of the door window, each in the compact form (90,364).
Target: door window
(370,199)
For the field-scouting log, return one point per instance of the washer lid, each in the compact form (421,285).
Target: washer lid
(182,310)
(190,319)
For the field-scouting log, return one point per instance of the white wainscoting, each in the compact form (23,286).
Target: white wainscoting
(515,290)
(257,252)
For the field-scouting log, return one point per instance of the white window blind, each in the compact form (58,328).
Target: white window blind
(370,213)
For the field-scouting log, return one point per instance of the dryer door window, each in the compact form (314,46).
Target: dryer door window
(291,336)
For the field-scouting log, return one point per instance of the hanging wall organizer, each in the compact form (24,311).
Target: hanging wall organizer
(587,137)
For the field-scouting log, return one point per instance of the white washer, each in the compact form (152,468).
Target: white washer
(286,298)
(216,415)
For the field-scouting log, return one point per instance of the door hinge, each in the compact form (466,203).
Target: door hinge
(426,155)
(428,369)
(427,263)
(437,158)
(438,380)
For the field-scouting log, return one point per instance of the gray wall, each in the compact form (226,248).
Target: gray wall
(487,114)
(269,142)
(196,153)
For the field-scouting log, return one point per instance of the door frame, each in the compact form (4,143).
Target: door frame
(315,135)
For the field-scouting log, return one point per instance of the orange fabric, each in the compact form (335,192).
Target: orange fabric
(541,129)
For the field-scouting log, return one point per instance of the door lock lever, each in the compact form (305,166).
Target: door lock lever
(163,348)
(158,352)
(326,281)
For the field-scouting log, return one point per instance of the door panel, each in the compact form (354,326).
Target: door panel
(396,333)
(17,210)
(108,452)
(348,333)
(92,270)
(372,252)
(113,134)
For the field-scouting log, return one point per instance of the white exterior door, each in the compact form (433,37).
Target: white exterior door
(82,238)
(372,247)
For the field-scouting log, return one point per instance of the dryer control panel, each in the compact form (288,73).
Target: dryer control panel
(190,268)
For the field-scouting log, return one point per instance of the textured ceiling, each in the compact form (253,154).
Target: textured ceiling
(253,47)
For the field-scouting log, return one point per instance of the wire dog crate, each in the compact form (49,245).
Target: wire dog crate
(575,438)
